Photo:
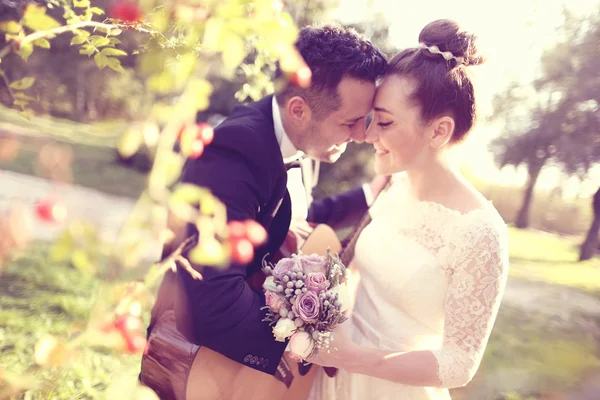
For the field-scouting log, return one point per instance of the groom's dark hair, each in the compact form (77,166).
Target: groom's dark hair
(333,52)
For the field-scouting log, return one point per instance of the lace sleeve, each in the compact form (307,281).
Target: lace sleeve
(475,290)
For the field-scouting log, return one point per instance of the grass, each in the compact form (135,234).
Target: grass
(545,257)
(39,298)
(93,167)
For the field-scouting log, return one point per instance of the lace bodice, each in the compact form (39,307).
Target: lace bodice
(431,279)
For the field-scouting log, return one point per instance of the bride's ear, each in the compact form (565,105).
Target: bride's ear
(442,130)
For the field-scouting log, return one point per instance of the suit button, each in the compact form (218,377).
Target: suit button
(265,363)
(254,360)
(260,362)
(248,358)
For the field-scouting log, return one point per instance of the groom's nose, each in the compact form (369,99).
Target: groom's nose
(359,133)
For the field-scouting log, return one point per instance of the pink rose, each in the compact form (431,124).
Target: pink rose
(313,263)
(284,266)
(274,301)
(301,346)
(307,307)
(316,281)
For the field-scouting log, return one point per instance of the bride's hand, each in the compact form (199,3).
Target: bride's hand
(339,353)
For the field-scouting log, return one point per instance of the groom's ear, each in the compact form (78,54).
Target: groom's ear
(442,130)
(298,111)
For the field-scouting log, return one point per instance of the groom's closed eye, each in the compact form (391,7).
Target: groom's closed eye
(351,123)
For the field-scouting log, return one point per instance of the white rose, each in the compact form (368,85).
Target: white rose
(270,285)
(343,296)
(283,329)
(301,345)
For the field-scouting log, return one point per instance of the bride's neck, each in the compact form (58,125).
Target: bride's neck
(434,182)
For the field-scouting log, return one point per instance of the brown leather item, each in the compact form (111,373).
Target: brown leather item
(177,369)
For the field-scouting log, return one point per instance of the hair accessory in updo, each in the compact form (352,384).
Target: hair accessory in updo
(446,54)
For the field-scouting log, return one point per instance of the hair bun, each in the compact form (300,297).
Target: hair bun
(448,36)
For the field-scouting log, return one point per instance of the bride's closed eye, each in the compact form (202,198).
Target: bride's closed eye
(384,124)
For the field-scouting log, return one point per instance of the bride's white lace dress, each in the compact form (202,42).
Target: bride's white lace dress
(431,279)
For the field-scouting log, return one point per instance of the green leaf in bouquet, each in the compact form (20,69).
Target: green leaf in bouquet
(43,43)
(112,52)
(26,113)
(173,167)
(114,32)
(25,51)
(23,84)
(35,18)
(159,20)
(101,60)
(114,41)
(10,27)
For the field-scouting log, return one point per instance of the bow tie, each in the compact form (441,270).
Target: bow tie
(293,164)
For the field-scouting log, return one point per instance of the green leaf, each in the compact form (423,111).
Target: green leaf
(114,32)
(23,96)
(26,113)
(161,83)
(81,260)
(99,41)
(23,84)
(189,193)
(130,141)
(233,49)
(20,103)
(35,18)
(97,11)
(43,43)
(115,65)
(101,60)
(114,41)
(77,40)
(202,89)
(81,3)
(25,51)
(88,50)
(81,32)
(109,51)
(10,27)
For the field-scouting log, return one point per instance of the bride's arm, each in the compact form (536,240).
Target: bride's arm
(472,302)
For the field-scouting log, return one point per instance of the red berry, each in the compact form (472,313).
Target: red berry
(301,77)
(237,230)
(127,324)
(125,11)
(205,133)
(197,148)
(50,210)
(135,343)
(256,234)
(242,251)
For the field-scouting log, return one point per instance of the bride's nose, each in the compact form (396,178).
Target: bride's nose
(372,134)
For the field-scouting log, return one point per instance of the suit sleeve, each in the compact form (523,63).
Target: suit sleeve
(225,313)
(339,211)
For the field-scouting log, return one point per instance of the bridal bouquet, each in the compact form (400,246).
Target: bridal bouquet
(304,297)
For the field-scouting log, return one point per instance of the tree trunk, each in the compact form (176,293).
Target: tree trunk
(588,249)
(523,216)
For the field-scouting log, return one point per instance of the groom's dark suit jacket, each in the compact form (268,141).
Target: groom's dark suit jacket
(243,167)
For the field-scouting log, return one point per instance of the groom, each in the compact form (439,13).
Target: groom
(248,167)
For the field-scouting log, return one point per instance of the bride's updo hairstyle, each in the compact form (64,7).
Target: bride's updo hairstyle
(438,66)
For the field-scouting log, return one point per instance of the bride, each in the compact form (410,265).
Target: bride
(433,262)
